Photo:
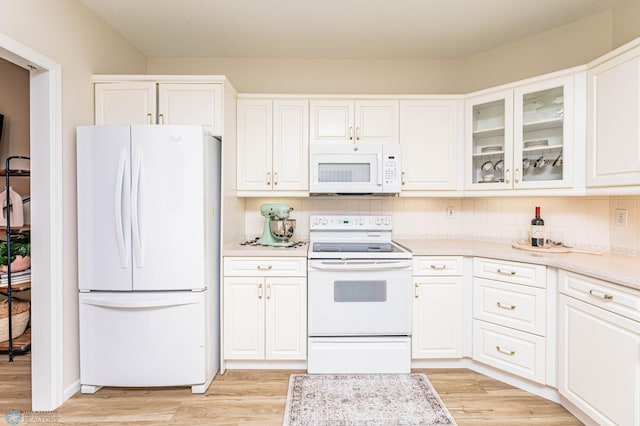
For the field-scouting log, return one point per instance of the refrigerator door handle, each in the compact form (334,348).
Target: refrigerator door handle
(138,303)
(135,210)
(122,248)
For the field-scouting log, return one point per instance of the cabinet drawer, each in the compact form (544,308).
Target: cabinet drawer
(265,266)
(511,272)
(611,297)
(513,305)
(510,350)
(437,265)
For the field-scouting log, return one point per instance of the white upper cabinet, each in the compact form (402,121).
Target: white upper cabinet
(527,137)
(180,103)
(613,150)
(430,137)
(354,121)
(273,145)
(143,102)
(125,103)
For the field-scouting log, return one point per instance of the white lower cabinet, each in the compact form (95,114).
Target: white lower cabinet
(599,350)
(510,350)
(510,317)
(265,317)
(437,307)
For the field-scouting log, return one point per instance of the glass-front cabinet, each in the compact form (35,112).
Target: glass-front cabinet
(521,138)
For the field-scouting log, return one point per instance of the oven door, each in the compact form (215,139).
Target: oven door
(363,297)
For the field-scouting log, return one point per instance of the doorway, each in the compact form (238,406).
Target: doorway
(45,115)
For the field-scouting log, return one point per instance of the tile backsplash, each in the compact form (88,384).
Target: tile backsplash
(585,222)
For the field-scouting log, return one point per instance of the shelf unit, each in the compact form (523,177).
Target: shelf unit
(21,344)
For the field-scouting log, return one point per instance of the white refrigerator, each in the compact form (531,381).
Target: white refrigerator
(148,256)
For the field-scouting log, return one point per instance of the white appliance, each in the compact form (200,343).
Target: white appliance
(361,168)
(148,256)
(359,294)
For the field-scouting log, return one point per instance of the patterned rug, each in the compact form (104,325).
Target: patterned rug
(363,399)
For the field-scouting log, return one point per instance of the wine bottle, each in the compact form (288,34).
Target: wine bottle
(537,230)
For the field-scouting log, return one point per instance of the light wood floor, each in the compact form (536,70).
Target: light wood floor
(257,397)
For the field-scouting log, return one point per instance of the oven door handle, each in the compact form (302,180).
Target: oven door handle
(360,265)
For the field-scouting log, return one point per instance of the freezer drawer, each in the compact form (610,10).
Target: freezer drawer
(142,338)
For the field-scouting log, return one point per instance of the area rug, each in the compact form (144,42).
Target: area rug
(363,399)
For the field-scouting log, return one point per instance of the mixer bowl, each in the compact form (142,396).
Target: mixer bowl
(282,230)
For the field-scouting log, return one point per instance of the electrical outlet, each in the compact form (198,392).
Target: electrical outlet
(621,217)
(451,212)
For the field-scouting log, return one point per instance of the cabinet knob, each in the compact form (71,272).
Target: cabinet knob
(507,176)
(402,181)
(275,178)
(358,133)
(160,118)
(350,133)
(416,293)
(149,118)
(259,291)
(517,176)
(268,178)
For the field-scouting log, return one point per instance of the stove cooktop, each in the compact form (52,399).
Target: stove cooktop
(357,250)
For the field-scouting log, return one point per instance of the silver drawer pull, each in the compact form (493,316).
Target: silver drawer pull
(439,267)
(601,295)
(500,271)
(508,307)
(505,351)
(264,268)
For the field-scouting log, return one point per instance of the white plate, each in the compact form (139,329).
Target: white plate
(491,148)
(536,143)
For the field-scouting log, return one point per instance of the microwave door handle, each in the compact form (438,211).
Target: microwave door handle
(380,169)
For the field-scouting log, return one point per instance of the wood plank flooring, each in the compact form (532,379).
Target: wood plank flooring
(257,397)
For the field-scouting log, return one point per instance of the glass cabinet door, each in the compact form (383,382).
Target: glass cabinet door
(541,142)
(489,158)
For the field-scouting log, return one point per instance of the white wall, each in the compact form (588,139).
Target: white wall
(569,45)
(68,33)
(585,222)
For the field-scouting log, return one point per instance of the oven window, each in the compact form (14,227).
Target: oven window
(344,172)
(360,291)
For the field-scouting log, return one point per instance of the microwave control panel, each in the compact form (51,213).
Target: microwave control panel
(391,169)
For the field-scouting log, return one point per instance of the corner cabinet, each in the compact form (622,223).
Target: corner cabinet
(437,307)
(613,150)
(153,102)
(264,308)
(354,121)
(273,146)
(527,137)
(430,137)
(599,348)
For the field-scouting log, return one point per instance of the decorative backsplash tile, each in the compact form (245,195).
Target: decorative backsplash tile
(585,222)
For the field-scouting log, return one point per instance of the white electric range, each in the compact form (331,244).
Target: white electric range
(359,296)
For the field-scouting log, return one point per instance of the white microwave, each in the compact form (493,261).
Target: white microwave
(361,168)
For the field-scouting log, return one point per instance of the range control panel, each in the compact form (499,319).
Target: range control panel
(350,223)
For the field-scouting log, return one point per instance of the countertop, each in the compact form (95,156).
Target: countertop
(267,251)
(616,268)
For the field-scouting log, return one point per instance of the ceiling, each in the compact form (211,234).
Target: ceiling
(334,28)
